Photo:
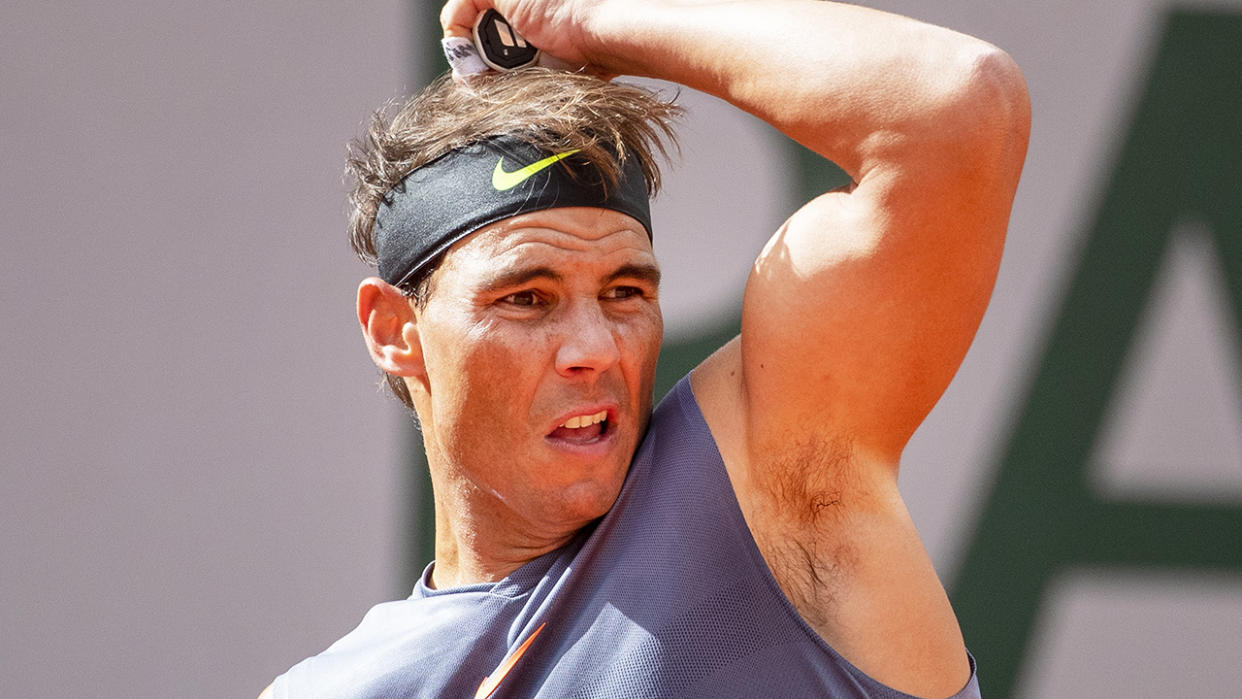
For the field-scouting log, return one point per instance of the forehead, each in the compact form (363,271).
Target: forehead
(580,239)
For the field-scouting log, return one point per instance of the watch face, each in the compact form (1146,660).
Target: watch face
(499,44)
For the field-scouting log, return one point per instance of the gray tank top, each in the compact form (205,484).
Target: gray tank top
(667,596)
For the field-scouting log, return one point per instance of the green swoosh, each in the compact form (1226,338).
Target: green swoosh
(502,180)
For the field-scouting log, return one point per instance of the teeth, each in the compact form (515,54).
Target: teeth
(580,421)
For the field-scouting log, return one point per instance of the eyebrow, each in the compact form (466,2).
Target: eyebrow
(646,273)
(517,277)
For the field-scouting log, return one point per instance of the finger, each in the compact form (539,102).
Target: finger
(457,17)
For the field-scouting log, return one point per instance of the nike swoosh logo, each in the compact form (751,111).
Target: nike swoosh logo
(503,181)
(492,681)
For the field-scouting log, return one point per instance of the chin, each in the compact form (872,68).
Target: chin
(583,503)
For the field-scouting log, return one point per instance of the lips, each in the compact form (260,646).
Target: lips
(584,428)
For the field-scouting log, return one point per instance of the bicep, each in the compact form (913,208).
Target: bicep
(861,307)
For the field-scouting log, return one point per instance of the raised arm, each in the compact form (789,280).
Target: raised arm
(864,303)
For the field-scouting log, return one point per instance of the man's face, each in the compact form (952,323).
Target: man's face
(540,341)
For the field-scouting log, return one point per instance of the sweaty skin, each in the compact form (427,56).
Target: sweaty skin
(536,324)
(856,314)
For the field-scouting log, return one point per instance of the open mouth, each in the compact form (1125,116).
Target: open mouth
(583,429)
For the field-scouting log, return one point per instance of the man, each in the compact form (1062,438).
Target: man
(747,539)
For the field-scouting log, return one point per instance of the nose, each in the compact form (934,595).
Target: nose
(588,342)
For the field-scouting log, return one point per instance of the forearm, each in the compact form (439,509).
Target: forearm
(849,82)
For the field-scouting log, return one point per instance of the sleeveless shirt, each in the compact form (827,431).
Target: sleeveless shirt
(666,596)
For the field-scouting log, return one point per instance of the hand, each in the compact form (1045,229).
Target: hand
(557,27)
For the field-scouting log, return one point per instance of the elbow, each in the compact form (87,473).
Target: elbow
(986,110)
(998,91)
(996,98)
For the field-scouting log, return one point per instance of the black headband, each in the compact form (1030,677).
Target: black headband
(466,189)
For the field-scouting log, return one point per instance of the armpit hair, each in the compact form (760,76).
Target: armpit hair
(810,490)
(812,480)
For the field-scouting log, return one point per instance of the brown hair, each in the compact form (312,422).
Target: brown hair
(557,111)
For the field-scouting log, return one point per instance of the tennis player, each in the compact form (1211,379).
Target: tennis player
(745,538)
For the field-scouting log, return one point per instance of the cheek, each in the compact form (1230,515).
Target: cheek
(641,337)
(483,371)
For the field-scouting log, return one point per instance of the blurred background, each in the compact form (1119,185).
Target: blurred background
(201,483)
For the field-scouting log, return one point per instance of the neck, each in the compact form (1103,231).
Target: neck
(478,539)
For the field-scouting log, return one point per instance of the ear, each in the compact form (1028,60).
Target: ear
(389,328)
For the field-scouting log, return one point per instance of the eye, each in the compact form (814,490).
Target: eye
(617,293)
(522,298)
